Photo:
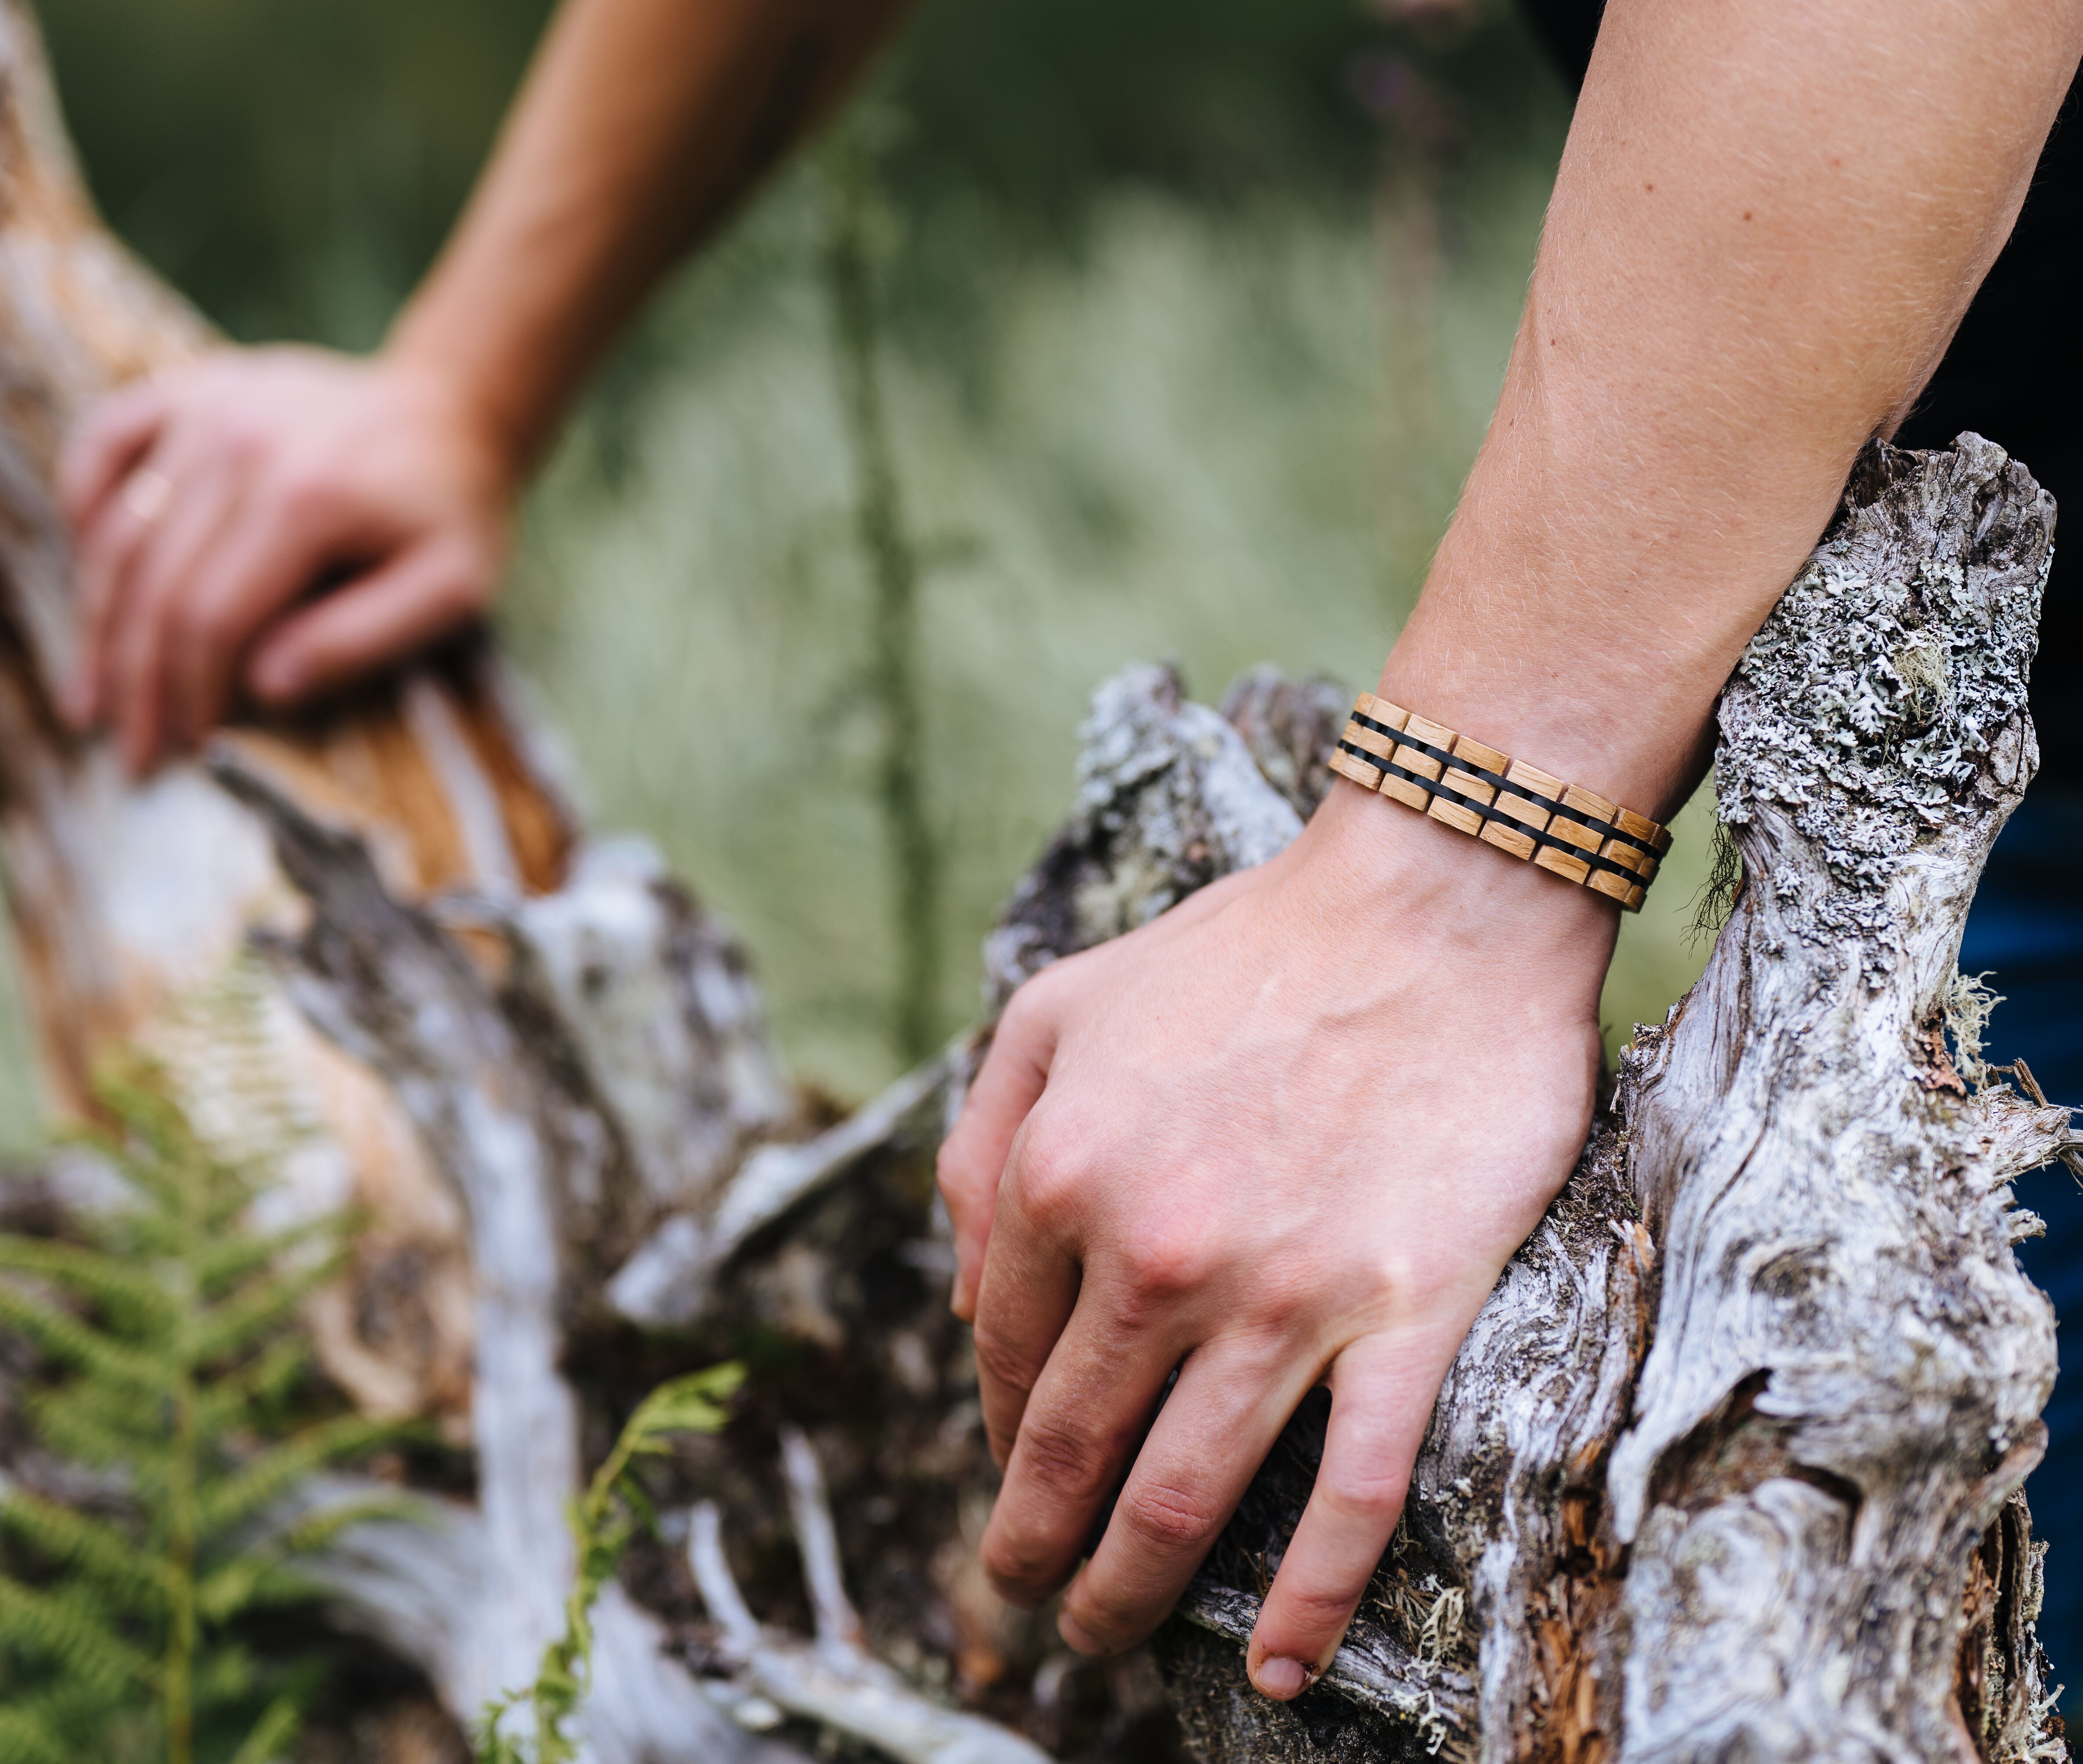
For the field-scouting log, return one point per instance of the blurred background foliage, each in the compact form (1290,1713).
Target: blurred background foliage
(1193,312)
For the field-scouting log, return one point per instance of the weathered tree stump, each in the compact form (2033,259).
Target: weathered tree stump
(1730,1466)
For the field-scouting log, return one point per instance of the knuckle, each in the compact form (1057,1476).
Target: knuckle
(1373,1498)
(1316,1610)
(1048,1183)
(1166,1262)
(245,441)
(1071,1465)
(461,583)
(468,591)
(1021,1570)
(951,1173)
(951,1161)
(1172,1517)
(961,1176)
(306,496)
(1108,1621)
(1001,1363)
(1024,1009)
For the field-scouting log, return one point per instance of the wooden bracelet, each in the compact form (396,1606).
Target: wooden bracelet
(1574,832)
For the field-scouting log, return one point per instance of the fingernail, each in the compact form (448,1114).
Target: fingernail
(1282,1679)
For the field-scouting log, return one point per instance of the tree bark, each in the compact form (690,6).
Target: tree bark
(1728,1466)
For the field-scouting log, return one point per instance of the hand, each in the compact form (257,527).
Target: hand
(279,519)
(1288,1134)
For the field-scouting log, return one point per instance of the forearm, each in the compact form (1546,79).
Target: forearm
(642,125)
(1769,219)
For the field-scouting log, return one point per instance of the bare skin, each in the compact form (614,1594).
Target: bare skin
(211,505)
(1288,1134)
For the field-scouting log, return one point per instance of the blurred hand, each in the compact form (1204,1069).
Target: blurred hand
(276,520)
(1288,1134)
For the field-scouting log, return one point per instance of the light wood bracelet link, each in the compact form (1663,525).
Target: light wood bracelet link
(1572,832)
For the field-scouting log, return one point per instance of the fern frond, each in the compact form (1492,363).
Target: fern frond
(489,1742)
(260,1573)
(696,1404)
(89,1547)
(170,1349)
(260,1308)
(603,1520)
(228,1675)
(264,1480)
(27,1738)
(271,1733)
(92,1425)
(224,1263)
(133,1293)
(262,1381)
(76,1344)
(63,1629)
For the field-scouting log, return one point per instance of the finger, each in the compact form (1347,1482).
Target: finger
(101,572)
(119,531)
(1081,1424)
(1029,1289)
(107,448)
(208,610)
(1215,1429)
(1382,1390)
(147,576)
(409,602)
(972,1158)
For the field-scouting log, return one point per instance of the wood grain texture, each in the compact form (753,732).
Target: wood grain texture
(1453,815)
(1347,765)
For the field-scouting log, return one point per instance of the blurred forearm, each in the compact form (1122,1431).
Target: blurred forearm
(1769,219)
(642,125)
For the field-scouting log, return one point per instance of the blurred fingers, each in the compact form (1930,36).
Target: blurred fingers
(1215,1428)
(406,603)
(107,447)
(121,529)
(1382,1390)
(133,606)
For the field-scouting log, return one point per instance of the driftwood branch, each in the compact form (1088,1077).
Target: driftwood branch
(831,1679)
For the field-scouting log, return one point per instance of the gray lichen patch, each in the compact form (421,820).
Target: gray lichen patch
(1888,687)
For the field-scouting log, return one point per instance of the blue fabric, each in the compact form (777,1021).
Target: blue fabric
(2026,930)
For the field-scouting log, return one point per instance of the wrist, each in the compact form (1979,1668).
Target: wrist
(448,379)
(1378,870)
(1644,742)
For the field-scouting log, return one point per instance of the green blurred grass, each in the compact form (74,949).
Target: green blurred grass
(1209,437)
